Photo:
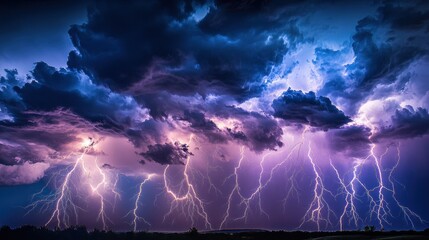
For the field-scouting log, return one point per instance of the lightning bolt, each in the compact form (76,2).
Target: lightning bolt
(257,192)
(136,217)
(96,190)
(65,197)
(319,204)
(293,189)
(382,206)
(408,214)
(349,190)
(236,189)
(64,200)
(192,205)
(115,192)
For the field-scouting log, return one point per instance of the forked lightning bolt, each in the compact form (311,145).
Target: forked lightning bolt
(262,184)
(136,217)
(65,208)
(319,204)
(64,200)
(409,215)
(190,203)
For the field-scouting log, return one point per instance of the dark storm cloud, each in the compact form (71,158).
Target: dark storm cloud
(352,141)
(258,132)
(198,120)
(52,129)
(167,153)
(27,150)
(13,153)
(10,102)
(161,104)
(377,64)
(233,18)
(49,76)
(405,18)
(55,89)
(52,109)
(170,56)
(384,46)
(296,107)
(173,52)
(208,128)
(406,123)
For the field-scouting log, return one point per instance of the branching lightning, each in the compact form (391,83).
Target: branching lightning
(409,215)
(380,197)
(65,199)
(319,204)
(349,190)
(190,203)
(134,211)
(257,192)
(236,189)
(377,196)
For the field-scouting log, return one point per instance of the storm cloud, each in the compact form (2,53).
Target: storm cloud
(384,45)
(296,107)
(353,141)
(167,153)
(406,123)
(177,51)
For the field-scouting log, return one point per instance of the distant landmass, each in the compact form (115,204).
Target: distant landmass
(81,233)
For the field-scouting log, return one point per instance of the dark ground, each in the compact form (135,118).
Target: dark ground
(81,233)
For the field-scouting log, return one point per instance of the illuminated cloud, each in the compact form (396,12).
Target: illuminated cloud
(22,174)
(406,123)
(218,114)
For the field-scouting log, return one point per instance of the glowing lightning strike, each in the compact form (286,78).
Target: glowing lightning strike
(350,198)
(115,192)
(256,194)
(64,199)
(262,185)
(192,204)
(409,215)
(97,181)
(314,212)
(95,189)
(236,188)
(136,203)
(382,207)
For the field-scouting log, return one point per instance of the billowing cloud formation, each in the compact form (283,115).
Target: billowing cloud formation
(62,88)
(200,124)
(189,69)
(258,132)
(176,52)
(305,108)
(9,100)
(225,87)
(167,153)
(406,123)
(384,46)
(23,173)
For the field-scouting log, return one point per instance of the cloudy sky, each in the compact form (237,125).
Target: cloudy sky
(162,115)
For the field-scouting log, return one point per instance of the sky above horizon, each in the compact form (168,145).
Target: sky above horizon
(163,115)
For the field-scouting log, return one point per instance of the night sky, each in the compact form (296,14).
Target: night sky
(163,115)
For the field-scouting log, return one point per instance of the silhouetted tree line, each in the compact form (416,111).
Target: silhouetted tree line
(82,233)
